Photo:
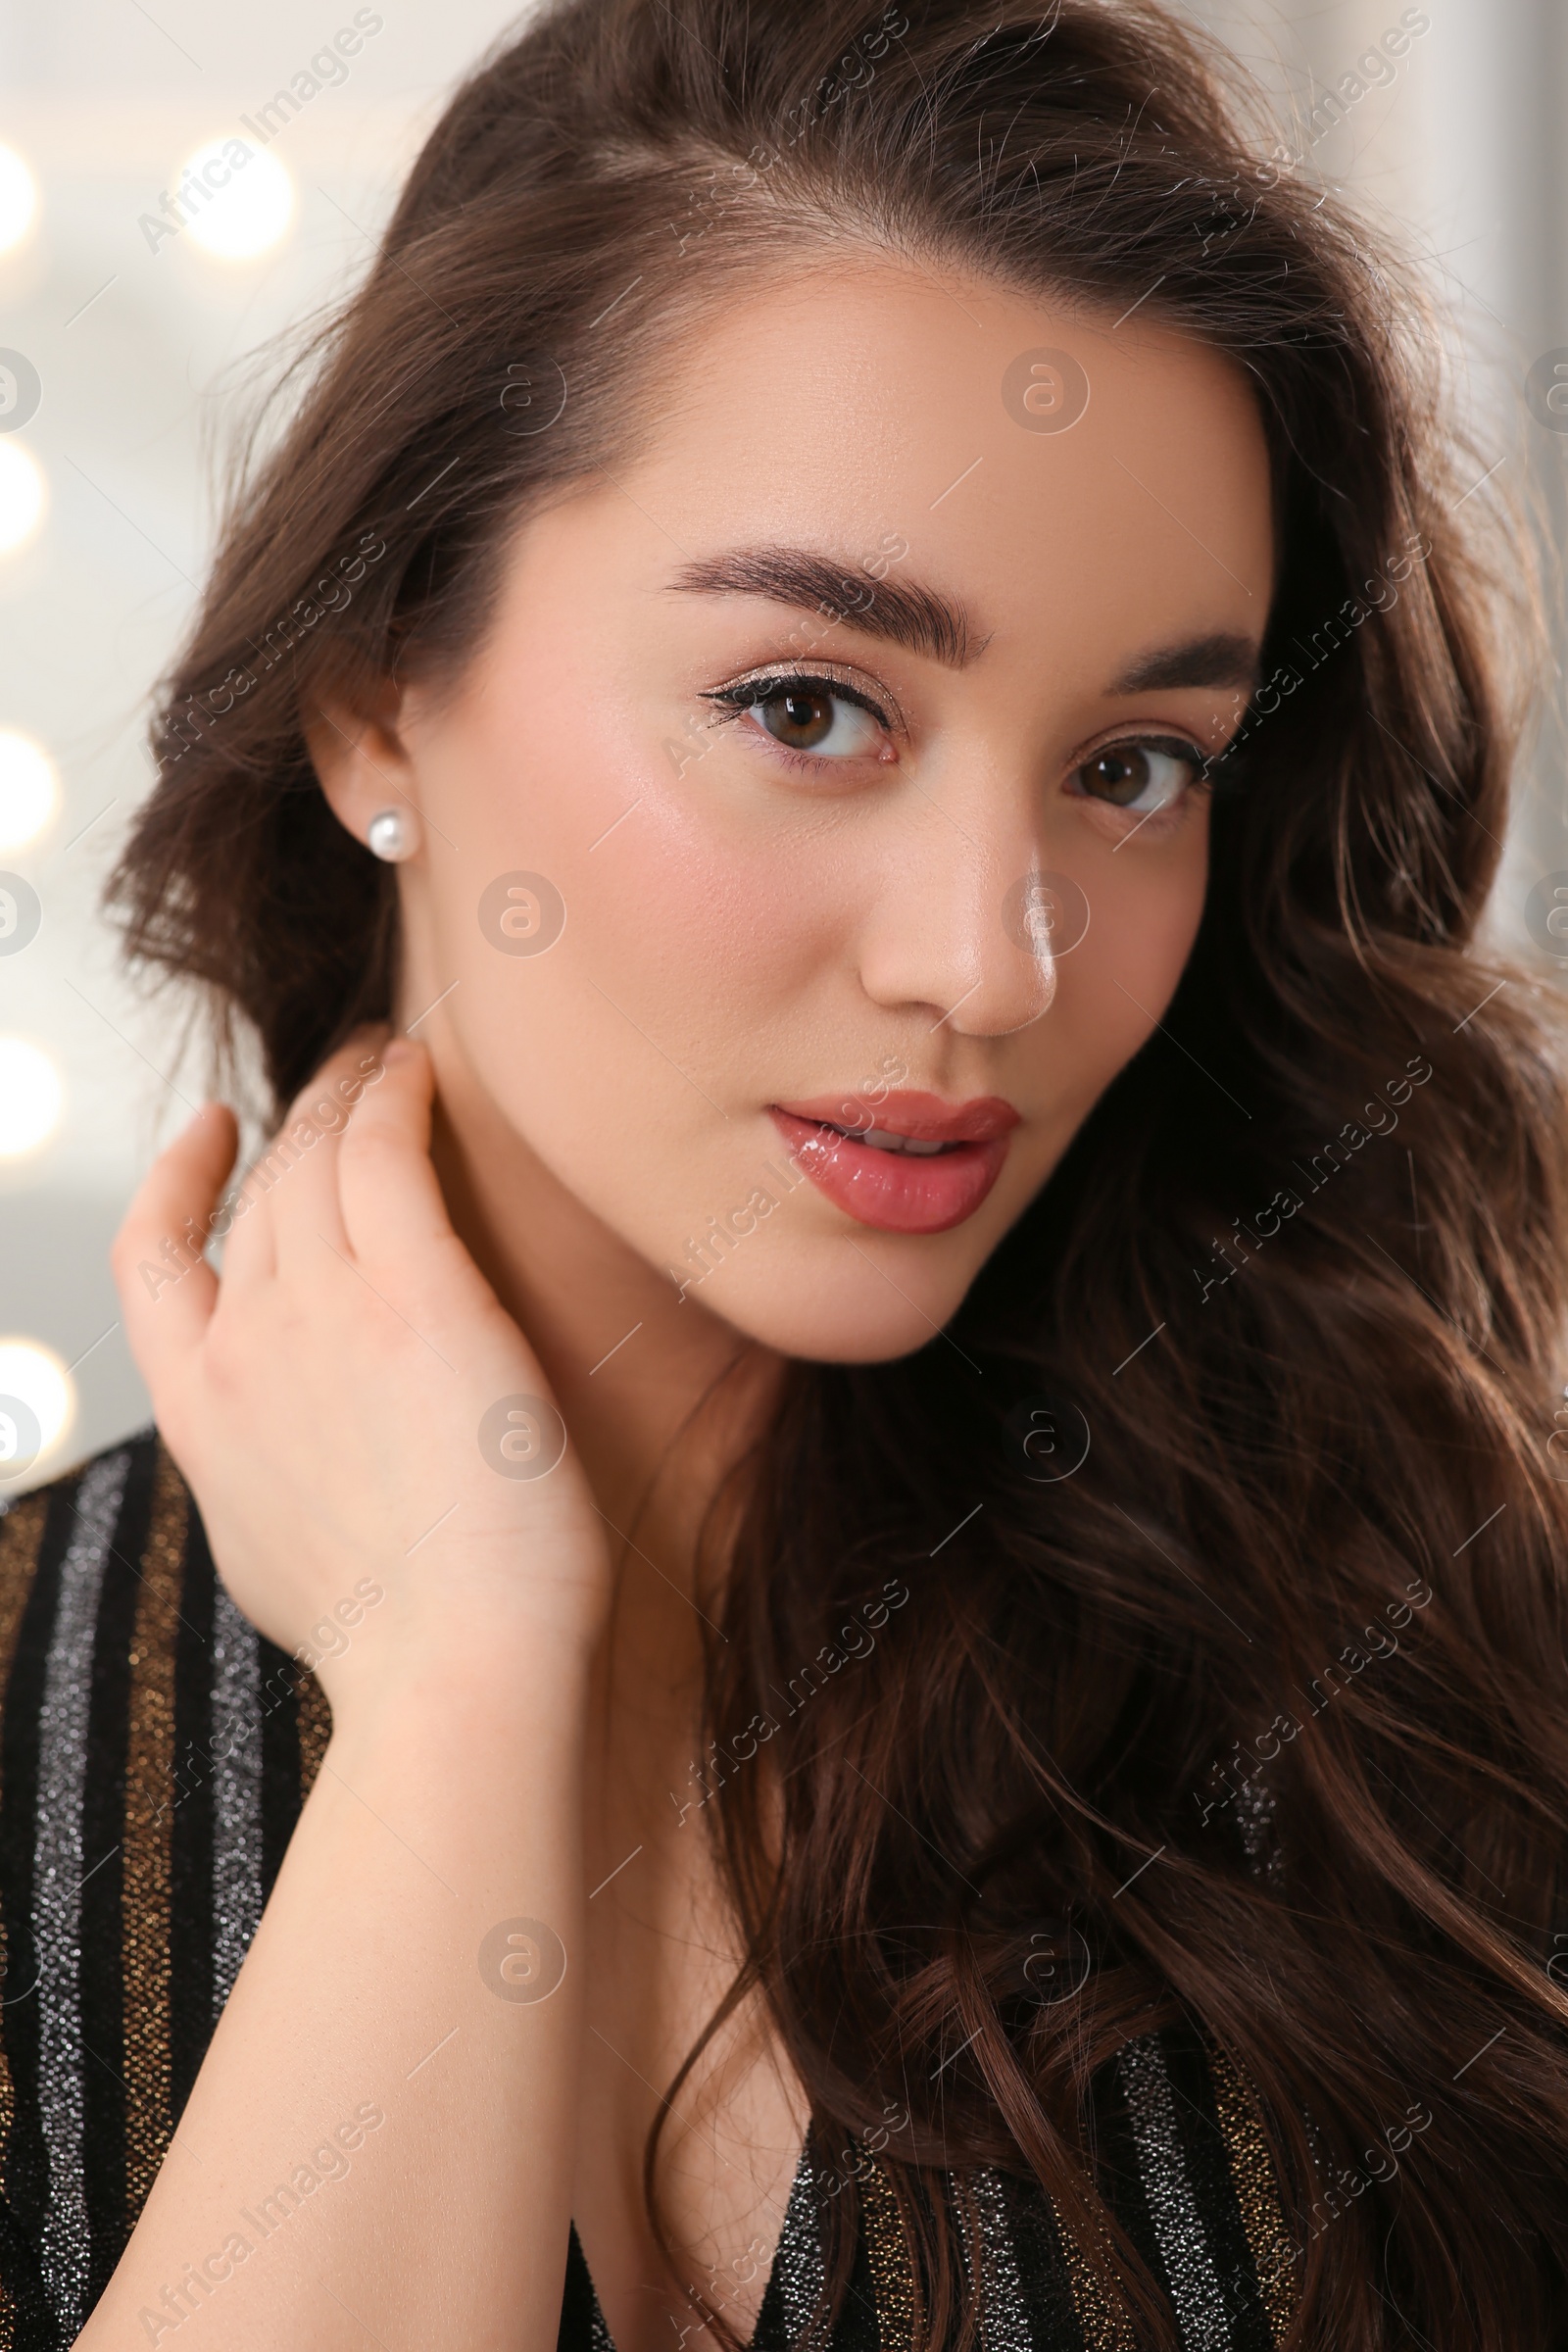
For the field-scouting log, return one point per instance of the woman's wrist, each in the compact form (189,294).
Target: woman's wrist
(487,1673)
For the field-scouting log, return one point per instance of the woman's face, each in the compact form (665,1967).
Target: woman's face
(920,871)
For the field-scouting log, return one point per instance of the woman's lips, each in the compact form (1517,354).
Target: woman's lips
(900,1191)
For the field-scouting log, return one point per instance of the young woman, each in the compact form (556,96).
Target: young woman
(890,1380)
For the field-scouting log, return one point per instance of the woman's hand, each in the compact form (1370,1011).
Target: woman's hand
(351,1403)
(340,1405)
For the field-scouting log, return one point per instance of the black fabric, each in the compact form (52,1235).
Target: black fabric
(26,2165)
(191,1943)
(40,2234)
(102,1973)
(1203,2146)
(578,2303)
(1043,2271)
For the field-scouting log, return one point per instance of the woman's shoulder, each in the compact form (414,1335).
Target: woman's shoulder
(155,1751)
(109,1602)
(1181,2159)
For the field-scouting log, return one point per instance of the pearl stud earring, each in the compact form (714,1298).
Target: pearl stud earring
(393,835)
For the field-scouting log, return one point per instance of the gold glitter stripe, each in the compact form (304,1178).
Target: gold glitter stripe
(1105,2330)
(890,2262)
(21,1540)
(150,1799)
(315,1719)
(1256,2191)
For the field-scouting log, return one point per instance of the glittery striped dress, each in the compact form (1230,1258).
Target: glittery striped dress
(155,1751)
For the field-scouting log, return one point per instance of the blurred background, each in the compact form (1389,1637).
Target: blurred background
(123,351)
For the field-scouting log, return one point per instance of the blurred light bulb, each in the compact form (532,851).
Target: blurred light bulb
(28,791)
(18,199)
(21,496)
(37,1403)
(30,1097)
(246,208)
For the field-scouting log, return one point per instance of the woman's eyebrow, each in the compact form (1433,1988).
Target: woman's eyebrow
(919,618)
(1218,659)
(924,620)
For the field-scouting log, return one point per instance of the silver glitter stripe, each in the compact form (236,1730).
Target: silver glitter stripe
(57,1884)
(236,1793)
(1259,1833)
(1195,2286)
(600,2338)
(1003,2313)
(797,2267)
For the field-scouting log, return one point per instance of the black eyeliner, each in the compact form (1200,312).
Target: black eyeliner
(768,688)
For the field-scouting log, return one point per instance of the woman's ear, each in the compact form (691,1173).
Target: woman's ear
(366,773)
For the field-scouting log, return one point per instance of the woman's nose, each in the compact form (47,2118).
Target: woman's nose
(969,921)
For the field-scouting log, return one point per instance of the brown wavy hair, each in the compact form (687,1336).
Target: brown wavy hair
(1259,1719)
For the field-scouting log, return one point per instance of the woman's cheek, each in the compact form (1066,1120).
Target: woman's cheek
(1118,983)
(715,924)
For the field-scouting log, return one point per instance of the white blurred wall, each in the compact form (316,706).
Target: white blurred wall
(138,353)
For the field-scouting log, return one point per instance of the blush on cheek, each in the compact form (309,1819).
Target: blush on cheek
(716,926)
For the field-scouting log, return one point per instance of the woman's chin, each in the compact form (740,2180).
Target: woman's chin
(833,1313)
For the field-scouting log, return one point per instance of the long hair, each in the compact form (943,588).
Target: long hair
(1219,1674)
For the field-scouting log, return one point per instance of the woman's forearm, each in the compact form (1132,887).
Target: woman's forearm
(378,2146)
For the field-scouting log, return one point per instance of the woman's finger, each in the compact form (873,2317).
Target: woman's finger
(244,1225)
(391,1200)
(298,1171)
(167,1289)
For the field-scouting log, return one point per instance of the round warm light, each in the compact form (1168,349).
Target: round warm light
(34,1379)
(248,209)
(30,1097)
(21,496)
(28,791)
(18,199)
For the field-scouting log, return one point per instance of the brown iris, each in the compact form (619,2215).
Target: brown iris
(802,721)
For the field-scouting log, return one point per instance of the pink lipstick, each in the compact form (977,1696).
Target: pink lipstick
(923,1166)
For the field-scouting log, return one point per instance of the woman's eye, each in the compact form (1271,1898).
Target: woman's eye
(1138,777)
(810,716)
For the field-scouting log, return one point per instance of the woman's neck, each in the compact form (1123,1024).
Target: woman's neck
(660,1395)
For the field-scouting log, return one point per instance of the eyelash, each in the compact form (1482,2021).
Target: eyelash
(1171,747)
(747,693)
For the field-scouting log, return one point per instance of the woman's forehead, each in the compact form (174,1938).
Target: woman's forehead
(868,398)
